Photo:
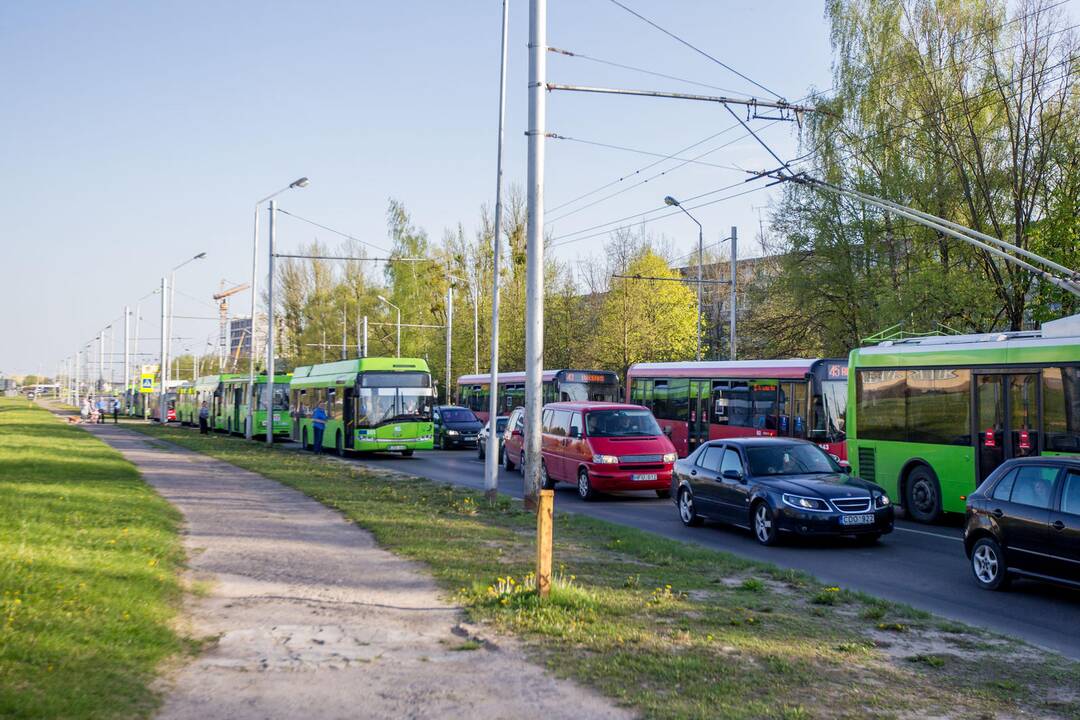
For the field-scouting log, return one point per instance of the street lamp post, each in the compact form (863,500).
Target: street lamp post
(172,298)
(700,261)
(249,422)
(398,322)
(167,295)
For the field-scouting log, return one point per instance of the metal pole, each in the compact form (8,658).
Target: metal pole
(700,263)
(534,279)
(249,423)
(449,339)
(344,333)
(476,329)
(270,321)
(136,346)
(101,361)
(734,267)
(491,458)
(127,353)
(164,417)
(398,332)
(364,351)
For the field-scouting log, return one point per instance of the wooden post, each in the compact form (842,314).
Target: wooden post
(545,516)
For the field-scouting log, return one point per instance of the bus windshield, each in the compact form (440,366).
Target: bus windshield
(584,391)
(830,412)
(621,423)
(281,396)
(379,405)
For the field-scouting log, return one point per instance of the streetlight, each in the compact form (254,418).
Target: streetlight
(700,260)
(248,425)
(168,292)
(398,322)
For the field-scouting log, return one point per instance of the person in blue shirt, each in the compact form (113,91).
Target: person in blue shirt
(101,411)
(318,422)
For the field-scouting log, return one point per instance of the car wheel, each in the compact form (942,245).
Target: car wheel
(763,523)
(922,495)
(479,451)
(988,565)
(508,462)
(663,493)
(687,511)
(584,487)
(521,463)
(545,480)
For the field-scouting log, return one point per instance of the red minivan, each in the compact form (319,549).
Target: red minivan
(602,447)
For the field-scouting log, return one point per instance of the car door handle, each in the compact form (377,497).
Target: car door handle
(998,512)
(1058,525)
(693,472)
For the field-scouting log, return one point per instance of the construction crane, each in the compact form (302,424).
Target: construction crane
(222,296)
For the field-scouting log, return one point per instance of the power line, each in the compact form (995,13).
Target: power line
(696,49)
(336,232)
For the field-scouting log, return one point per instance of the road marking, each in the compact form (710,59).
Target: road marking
(931,534)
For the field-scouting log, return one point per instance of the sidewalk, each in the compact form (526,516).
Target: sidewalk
(313,620)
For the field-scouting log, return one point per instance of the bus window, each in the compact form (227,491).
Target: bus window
(732,403)
(1061,408)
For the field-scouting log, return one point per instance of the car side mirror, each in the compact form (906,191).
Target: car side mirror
(667,430)
(575,432)
(845,467)
(730,474)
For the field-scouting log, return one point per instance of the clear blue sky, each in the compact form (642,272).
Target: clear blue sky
(136,134)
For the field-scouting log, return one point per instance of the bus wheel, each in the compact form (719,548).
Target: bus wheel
(406,453)
(340,446)
(303,440)
(922,495)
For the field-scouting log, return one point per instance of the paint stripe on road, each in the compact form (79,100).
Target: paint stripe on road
(931,534)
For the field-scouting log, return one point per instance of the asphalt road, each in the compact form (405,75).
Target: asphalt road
(923,566)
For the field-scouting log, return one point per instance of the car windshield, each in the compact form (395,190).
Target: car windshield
(789,460)
(621,423)
(458,415)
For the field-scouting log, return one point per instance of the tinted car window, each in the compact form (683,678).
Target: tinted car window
(575,422)
(731,461)
(789,460)
(500,424)
(622,423)
(458,415)
(710,458)
(1070,494)
(1034,485)
(1004,488)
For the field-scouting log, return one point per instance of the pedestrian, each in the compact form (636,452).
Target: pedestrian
(204,419)
(318,422)
(101,411)
(84,412)
(116,411)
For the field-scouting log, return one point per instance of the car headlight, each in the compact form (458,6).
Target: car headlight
(881,501)
(800,502)
(452,432)
(670,457)
(605,459)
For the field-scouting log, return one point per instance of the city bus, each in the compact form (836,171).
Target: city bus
(474,391)
(707,400)
(226,398)
(372,404)
(930,417)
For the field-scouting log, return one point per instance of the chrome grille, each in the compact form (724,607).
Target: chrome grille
(641,458)
(852,505)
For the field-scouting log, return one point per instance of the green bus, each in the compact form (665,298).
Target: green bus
(372,404)
(929,418)
(226,398)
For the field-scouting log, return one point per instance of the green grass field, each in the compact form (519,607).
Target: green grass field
(674,630)
(88,574)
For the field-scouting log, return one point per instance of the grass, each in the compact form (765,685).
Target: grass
(674,630)
(88,574)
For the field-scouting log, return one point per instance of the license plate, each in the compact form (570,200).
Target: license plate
(856,519)
(396,447)
(643,477)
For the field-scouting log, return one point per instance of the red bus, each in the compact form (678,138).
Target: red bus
(699,401)
(474,391)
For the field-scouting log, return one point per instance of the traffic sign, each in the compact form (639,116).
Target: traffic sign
(146,383)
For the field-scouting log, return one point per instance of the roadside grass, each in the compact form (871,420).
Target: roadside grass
(671,629)
(88,574)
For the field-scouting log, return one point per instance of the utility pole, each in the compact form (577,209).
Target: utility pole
(491,457)
(449,338)
(127,350)
(363,347)
(270,322)
(734,268)
(164,350)
(344,333)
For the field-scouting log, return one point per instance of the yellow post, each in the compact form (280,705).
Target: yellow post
(545,517)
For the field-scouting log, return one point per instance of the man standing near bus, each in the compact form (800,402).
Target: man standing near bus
(204,418)
(116,411)
(318,423)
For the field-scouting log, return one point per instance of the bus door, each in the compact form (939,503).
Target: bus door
(1006,419)
(237,401)
(700,399)
(348,418)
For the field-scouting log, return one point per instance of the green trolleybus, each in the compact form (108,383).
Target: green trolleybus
(226,397)
(929,418)
(372,404)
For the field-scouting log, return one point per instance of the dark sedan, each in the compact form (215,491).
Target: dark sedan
(1025,520)
(454,427)
(778,486)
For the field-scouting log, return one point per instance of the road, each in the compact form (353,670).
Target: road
(920,565)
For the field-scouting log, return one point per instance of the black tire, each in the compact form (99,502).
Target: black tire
(584,486)
(339,445)
(406,453)
(988,565)
(922,495)
(687,511)
(546,482)
(303,440)
(480,450)
(663,493)
(763,523)
(521,463)
(507,462)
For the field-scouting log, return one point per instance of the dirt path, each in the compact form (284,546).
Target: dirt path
(314,620)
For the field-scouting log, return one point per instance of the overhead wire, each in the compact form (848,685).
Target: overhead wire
(335,232)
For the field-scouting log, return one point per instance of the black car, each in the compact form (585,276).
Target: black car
(481,439)
(1025,520)
(778,485)
(455,427)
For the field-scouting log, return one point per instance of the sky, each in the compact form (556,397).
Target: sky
(135,135)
